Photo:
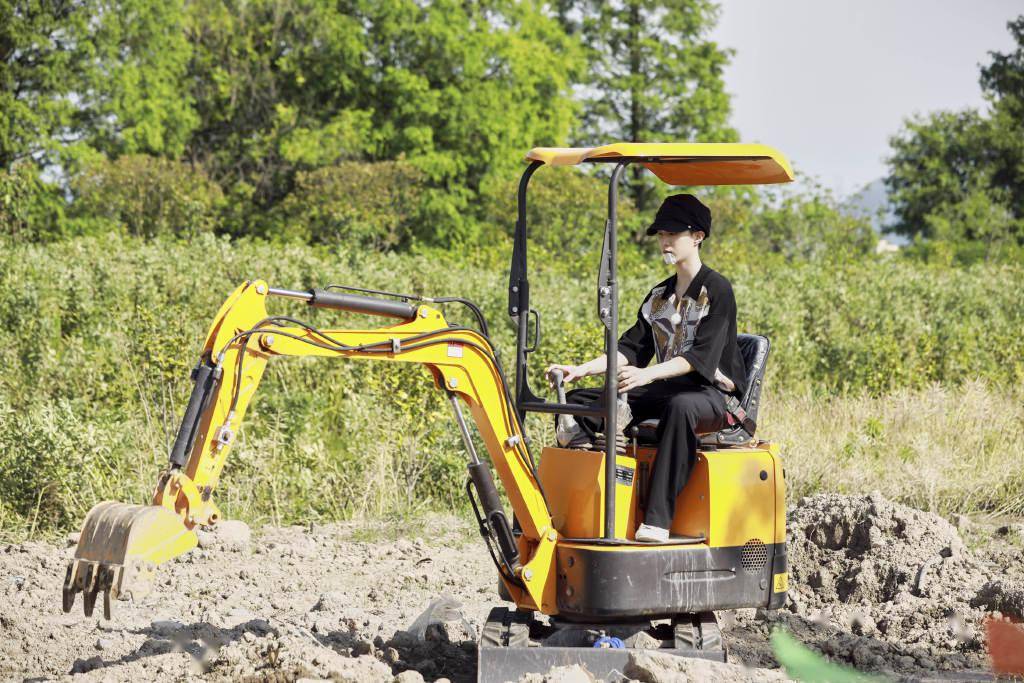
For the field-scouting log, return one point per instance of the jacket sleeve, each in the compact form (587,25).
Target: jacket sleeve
(712,335)
(637,344)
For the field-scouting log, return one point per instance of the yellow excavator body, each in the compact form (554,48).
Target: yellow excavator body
(732,497)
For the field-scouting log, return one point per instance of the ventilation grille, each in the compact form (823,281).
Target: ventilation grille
(754,556)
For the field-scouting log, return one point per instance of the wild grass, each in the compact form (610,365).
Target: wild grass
(945,449)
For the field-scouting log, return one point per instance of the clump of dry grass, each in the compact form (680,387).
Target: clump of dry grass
(945,449)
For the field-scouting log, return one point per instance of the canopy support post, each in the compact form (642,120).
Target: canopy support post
(519,293)
(608,311)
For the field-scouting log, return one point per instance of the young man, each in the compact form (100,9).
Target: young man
(677,362)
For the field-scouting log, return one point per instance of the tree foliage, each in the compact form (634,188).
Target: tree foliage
(46,54)
(107,74)
(957,178)
(137,101)
(654,76)
(455,88)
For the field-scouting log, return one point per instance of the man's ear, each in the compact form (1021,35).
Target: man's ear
(698,236)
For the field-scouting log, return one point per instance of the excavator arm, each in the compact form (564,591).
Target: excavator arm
(121,545)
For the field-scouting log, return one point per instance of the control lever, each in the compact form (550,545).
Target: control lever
(565,426)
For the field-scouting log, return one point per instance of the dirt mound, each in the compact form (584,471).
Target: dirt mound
(881,586)
(652,667)
(869,550)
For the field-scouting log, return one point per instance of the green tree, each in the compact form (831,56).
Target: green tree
(137,101)
(46,55)
(92,74)
(1003,83)
(958,177)
(460,90)
(273,84)
(938,160)
(654,76)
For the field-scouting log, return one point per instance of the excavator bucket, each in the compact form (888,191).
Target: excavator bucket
(118,551)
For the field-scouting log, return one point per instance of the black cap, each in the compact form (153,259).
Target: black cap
(682,212)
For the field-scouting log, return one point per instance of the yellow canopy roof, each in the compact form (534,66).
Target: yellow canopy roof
(684,163)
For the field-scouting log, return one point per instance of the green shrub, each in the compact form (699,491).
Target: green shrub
(31,210)
(53,463)
(785,227)
(14,192)
(145,196)
(565,212)
(377,206)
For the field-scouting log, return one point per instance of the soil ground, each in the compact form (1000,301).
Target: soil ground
(880,586)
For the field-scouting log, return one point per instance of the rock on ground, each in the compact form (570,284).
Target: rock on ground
(227,535)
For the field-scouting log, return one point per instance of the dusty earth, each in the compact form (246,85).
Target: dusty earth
(877,585)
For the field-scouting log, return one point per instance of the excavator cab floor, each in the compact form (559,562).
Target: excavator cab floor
(515,643)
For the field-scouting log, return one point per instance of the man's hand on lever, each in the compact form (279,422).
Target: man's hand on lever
(570,373)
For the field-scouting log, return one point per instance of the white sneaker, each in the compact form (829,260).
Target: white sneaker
(651,534)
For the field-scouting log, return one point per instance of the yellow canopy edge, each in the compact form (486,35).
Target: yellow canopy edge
(685,163)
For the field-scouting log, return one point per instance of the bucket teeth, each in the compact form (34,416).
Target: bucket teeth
(90,579)
(106,604)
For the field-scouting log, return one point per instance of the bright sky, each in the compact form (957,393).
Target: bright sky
(827,82)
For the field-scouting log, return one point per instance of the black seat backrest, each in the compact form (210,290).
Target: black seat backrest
(754,348)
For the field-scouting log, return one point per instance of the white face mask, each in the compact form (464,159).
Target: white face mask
(669,258)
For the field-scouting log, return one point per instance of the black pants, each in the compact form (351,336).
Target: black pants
(683,410)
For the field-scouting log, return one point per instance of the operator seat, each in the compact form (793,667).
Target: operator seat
(754,348)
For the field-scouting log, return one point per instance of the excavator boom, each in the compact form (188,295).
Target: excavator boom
(121,545)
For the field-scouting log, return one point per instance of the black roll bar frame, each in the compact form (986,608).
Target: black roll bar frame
(608,313)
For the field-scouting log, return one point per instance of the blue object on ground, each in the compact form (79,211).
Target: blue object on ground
(609,641)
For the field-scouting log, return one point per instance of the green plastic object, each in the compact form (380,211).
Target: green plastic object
(803,664)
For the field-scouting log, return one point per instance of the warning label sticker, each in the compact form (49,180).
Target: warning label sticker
(624,475)
(780,583)
(454,350)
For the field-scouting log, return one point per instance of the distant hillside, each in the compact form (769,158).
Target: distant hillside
(872,202)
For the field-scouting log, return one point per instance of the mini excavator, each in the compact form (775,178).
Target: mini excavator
(584,591)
